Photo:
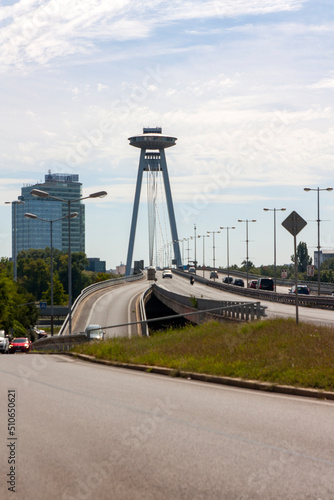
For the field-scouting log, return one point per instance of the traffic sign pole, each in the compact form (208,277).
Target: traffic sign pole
(294,223)
(296,280)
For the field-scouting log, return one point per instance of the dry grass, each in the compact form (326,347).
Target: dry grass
(277,351)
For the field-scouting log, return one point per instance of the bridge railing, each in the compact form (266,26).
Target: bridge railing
(142,313)
(237,310)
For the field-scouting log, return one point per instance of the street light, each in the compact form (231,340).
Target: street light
(14,251)
(213,248)
(318,221)
(195,259)
(247,240)
(33,216)
(188,249)
(44,194)
(274,210)
(203,236)
(228,250)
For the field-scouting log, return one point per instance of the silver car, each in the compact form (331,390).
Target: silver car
(4,342)
(94,332)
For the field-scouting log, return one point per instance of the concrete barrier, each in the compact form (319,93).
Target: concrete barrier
(208,309)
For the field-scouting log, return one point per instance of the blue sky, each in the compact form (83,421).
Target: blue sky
(245,85)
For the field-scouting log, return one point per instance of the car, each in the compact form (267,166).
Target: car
(265,284)
(41,334)
(167,273)
(22,344)
(214,274)
(238,282)
(252,284)
(4,342)
(192,270)
(302,289)
(228,279)
(94,332)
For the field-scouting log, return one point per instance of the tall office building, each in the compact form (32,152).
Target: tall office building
(32,233)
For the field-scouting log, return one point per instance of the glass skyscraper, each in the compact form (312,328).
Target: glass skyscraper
(32,233)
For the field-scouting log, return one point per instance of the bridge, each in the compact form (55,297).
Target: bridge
(118,305)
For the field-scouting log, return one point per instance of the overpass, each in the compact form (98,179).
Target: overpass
(118,305)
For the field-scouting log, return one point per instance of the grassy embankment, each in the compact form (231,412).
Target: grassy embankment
(277,351)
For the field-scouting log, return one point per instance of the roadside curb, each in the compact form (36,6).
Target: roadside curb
(214,379)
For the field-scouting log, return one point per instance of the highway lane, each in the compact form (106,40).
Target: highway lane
(114,306)
(87,431)
(280,288)
(181,285)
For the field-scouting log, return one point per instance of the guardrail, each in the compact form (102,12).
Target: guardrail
(59,343)
(95,287)
(321,302)
(142,312)
(242,311)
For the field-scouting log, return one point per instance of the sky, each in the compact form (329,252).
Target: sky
(246,86)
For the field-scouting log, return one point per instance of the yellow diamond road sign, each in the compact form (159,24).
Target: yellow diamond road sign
(294,223)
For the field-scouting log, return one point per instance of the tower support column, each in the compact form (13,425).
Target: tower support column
(152,140)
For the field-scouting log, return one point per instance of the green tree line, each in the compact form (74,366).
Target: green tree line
(18,311)
(303,260)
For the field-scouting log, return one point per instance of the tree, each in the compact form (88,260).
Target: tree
(244,264)
(303,259)
(60,298)
(327,264)
(17,308)
(34,276)
(102,277)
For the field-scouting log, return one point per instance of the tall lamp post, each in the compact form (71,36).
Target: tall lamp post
(203,236)
(44,194)
(33,216)
(274,210)
(213,248)
(247,241)
(14,246)
(228,250)
(195,258)
(183,256)
(188,248)
(318,221)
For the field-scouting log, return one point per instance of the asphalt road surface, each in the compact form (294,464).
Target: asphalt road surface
(181,285)
(115,306)
(86,431)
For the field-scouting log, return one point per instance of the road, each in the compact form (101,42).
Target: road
(87,431)
(114,306)
(181,285)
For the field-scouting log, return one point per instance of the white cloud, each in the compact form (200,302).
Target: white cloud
(325,83)
(34,31)
(249,100)
(101,87)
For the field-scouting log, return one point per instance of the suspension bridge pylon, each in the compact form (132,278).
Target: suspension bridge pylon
(152,144)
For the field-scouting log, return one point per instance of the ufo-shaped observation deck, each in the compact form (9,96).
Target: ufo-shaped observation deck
(152,141)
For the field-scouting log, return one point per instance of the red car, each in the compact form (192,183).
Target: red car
(22,344)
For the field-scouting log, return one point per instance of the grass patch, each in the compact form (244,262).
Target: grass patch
(277,351)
